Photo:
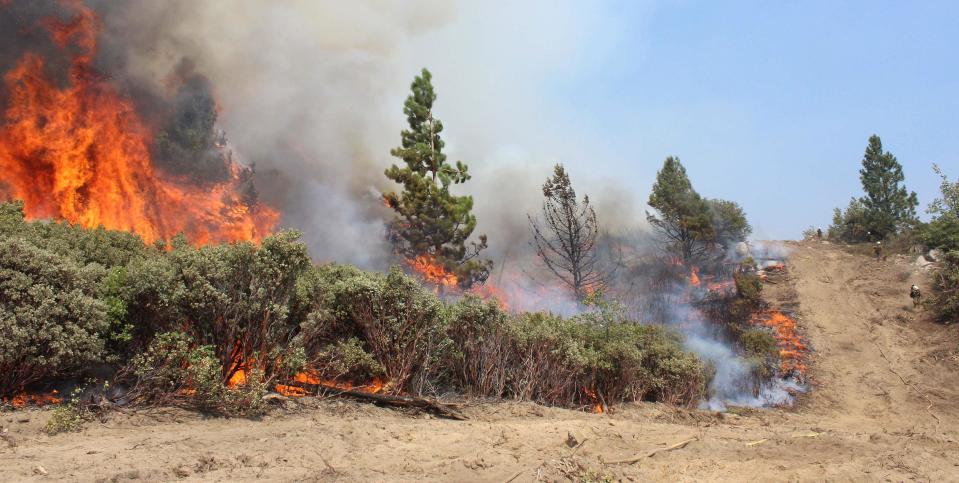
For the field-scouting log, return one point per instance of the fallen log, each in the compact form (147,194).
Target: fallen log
(420,403)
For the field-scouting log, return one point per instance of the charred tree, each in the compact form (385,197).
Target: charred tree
(566,238)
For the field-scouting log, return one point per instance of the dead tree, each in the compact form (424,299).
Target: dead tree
(565,240)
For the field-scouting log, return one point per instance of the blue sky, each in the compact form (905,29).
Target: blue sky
(769,103)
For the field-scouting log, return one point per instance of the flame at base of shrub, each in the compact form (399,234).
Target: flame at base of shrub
(25,399)
(375,386)
(239,378)
(598,407)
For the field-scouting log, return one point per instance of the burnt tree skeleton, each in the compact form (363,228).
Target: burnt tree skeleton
(566,239)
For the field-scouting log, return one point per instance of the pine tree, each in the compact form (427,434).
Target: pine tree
(889,206)
(431,222)
(684,221)
(566,240)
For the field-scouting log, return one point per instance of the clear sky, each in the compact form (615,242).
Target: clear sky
(766,103)
(771,103)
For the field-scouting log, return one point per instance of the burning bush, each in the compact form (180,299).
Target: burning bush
(213,327)
(174,371)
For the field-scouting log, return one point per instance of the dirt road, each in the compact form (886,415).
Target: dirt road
(884,407)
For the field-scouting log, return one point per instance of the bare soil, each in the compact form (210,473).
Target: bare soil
(884,406)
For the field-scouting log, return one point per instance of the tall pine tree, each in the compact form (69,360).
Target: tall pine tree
(889,206)
(432,222)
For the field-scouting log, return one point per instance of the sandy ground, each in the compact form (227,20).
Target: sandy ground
(884,407)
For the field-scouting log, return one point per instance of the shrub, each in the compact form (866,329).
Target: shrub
(851,225)
(235,298)
(941,233)
(758,342)
(479,360)
(946,285)
(69,416)
(171,371)
(402,325)
(566,362)
(748,286)
(50,317)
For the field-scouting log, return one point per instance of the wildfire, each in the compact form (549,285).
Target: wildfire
(80,153)
(309,377)
(721,287)
(433,272)
(694,277)
(36,399)
(792,350)
(597,404)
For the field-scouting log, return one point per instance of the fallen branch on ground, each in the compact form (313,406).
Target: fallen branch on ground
(386,400)
(630,461)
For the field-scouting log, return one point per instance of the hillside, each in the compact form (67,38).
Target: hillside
(884,405)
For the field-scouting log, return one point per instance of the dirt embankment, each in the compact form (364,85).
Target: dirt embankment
(885,406)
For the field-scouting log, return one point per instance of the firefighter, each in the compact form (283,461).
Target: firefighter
(819,233)
(877,249)
(915,294)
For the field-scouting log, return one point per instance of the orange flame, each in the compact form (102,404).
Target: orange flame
(597,404)
(36,399)
(432,272)
(80,153)
(694,277)
(792,349)
(310,377)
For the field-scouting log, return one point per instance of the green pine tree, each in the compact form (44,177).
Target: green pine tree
(889,206)
(684,220)
(431,221)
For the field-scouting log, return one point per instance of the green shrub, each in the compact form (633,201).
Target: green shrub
(946,288)
(69,416)
(182,321)
(50,316)
(758,342)
(235,298)
(401,325)
(480,356)
(941,233)
(748,286)
(851,225)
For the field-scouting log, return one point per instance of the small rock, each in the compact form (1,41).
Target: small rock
(571,440)
(39,470)
(934,255)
